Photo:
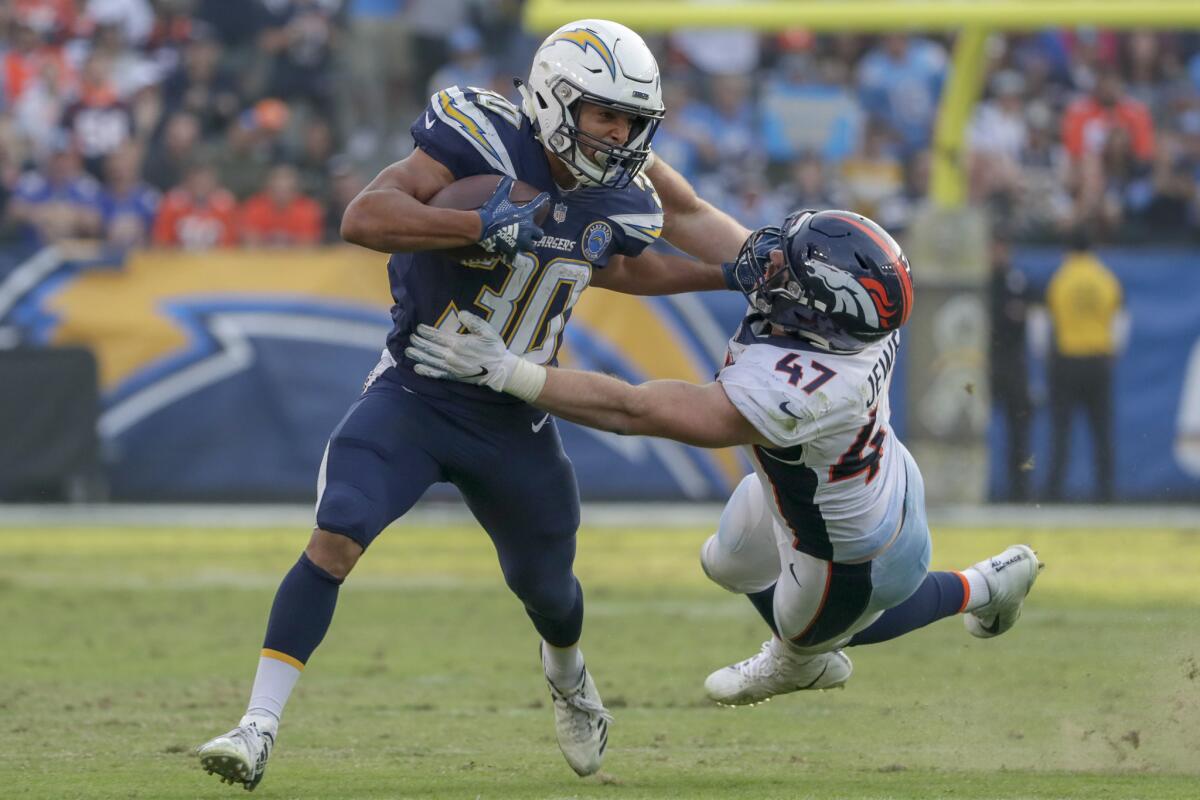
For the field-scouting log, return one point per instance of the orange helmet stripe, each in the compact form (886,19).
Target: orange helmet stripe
(889,246)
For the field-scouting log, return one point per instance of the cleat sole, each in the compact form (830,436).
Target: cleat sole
(229,770)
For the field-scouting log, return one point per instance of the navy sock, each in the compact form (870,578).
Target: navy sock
(302,610)
(561,632)
(940,595)
(764,604)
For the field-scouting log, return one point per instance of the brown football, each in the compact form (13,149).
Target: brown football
(472,192)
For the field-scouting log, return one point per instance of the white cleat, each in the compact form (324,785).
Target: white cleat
(1009,577)
(776,670)
(581,723)
(239,756)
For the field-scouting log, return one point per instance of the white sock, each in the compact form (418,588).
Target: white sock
(564,665)
(273,685)
(977,586)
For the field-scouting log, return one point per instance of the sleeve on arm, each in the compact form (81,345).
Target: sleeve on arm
(763,399)
(637,224)
(456,131)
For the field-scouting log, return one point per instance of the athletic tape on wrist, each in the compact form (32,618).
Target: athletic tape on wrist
(526,380)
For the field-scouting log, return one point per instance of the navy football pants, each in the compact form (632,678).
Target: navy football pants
(393,444)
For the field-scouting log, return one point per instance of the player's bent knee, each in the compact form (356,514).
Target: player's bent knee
(730,573)
(553,599)
(333,552)
(344,509)
(742,556)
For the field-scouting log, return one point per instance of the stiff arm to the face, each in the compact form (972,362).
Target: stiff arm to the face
(686,412)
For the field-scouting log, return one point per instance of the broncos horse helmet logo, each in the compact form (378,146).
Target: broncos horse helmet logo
(844,294)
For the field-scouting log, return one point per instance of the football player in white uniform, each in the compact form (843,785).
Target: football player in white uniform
(828,536)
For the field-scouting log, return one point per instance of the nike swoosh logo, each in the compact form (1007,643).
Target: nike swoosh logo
(814,680)
(773,457)
(784,408)
(792,567)
(428,121)
(537,426)
(482,371)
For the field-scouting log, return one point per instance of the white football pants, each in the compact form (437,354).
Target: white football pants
(752,550)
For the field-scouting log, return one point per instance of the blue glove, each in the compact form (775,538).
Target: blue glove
(508,228)
(753,260)
(741,275)
(729,273)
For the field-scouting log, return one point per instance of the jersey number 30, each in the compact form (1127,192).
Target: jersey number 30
(520,307)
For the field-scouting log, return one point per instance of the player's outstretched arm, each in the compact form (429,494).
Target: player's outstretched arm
(691,224)
(390,214)
(688,413)
(651,273)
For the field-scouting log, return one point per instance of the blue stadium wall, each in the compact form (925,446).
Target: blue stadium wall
(223,374)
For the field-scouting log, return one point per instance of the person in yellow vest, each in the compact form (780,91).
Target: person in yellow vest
(1085,305)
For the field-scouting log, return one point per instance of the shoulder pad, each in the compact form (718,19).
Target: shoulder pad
(647,223)
(647,227)
(466,112)
(784,416)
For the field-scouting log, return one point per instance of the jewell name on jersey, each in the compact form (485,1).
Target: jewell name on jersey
(881,374)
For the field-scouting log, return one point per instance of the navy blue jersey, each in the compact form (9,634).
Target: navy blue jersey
(477,132)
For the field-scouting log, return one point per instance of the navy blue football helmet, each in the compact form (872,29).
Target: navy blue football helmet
(844,283)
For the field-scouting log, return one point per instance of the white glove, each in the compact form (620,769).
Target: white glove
(477,357)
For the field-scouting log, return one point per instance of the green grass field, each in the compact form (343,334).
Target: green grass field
(123,650)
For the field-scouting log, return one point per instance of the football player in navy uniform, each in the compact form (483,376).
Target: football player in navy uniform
(582,136)
(828,537)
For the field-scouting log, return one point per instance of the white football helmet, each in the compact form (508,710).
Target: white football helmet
(599,62)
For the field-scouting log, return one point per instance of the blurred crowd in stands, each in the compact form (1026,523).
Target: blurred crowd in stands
(203,123)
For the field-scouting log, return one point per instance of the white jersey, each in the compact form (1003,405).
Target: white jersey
(836,471)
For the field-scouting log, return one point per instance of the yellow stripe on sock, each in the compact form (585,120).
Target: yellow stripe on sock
(284,657)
